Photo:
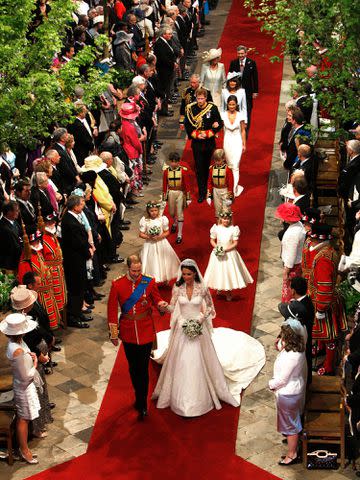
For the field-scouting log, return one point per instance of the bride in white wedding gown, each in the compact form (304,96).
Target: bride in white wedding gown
(199,373)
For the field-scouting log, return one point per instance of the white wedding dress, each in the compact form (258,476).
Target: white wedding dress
(158,257)
(233,146)
(198,374)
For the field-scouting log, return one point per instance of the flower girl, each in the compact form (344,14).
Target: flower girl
(157,255)
(226,270)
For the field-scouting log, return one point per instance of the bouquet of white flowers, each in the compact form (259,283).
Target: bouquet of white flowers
(154,230)
(192,328)
(219,251)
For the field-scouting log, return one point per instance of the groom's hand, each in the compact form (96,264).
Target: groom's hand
(162,306)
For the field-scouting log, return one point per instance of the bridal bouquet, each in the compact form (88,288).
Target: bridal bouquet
(219,251)
(153,231)
(192,328)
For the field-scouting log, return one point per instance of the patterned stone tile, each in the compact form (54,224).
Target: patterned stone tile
(70,386)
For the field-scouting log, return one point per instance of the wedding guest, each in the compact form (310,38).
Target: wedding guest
(212,76)
(10,238)
(25,375)
(22,195)
(289,385)
(233,87)
(157,255)
(291,245)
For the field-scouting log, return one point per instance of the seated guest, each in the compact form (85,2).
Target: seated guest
(10,238)
(37,340)
(27,211)
(289,385)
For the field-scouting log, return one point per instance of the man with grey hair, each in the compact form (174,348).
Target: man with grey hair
(249,77)
(166,65)
(188,96)
(349,184)
(66,167)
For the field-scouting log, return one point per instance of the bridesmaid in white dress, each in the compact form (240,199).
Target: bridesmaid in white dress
(212,74)
(157,255)
(200,372)
(227,271)
(234,139)
(232,87)
(23,364)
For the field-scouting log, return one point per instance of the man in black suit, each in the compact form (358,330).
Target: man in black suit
(349,184)
(28,214)
(305,315)
(166,62)
(301,193)
(76,251)
(297,131)
(39,196)
(10,237)
(249,77)
(83,135)
(305,163)
(66,167)
(54,157)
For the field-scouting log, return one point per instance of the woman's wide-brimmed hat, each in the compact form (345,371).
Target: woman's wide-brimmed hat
(94,163)
(98,19)
(22,298)
(129,111)
(233,76)
(288,212)
(122,37)
(146,8)
(17,324)
(211,54)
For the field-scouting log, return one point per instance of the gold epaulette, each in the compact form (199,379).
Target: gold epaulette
(118,278)
(191,105)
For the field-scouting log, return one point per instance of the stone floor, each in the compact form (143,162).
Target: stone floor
(85,362)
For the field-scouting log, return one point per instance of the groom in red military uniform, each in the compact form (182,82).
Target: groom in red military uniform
(135,294)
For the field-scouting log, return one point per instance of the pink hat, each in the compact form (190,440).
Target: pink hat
(288,212)
(129,111)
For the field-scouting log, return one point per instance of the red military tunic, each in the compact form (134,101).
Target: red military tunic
(176,179)
(36,264)
(54,261)
(322,284)
(136,326)
(307,258)
(220,177)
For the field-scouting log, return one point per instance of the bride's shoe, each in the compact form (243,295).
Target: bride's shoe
(31,461)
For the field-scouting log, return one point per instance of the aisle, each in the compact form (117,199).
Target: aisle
(166,446)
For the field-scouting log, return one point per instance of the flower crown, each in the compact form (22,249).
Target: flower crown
(225,214)
(153,205)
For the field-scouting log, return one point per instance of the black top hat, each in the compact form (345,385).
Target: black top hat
(293,309)
(33,233)
(52,217)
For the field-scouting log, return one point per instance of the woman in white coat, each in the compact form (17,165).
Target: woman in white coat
(233,87)
(212,74)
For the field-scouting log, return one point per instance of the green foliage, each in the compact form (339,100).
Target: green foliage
(7,283)
(333,24)
(33,96)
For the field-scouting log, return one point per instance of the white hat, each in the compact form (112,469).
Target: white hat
(22,298)
(98,19)
(232,75)
(17,324)
(211,54)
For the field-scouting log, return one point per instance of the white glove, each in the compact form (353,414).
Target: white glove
(208,201)
(188,202)
(320,315)
(342,263)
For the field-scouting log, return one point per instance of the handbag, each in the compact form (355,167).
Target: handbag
(321,460)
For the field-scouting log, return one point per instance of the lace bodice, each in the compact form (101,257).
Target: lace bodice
(200,306)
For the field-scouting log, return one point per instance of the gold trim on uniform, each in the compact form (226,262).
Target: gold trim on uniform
(197,120)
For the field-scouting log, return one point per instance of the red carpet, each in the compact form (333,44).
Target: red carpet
(167,446)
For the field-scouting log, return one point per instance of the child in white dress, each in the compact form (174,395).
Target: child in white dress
(226,270)
(157,255)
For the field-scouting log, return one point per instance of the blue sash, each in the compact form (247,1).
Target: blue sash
(136,294)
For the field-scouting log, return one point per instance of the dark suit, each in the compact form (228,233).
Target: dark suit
(11,245)
(249,81)
(303,203)
(290,148)
(309,169)
(40,197)
(308,323)
(349,179)
(28,213)
(84,142)
(166,59)
(57,179)
(66,169)
(75,248)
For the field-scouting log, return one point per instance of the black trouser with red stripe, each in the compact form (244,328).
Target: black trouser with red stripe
(138,357)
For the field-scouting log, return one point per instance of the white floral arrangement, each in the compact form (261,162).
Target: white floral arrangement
(219,251)
(154,231)
(192,328)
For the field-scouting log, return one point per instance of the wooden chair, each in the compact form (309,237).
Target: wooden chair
(7,429)
(325,427)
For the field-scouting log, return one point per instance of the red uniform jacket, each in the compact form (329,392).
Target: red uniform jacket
(137,326)
(220,177)
(176,179)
